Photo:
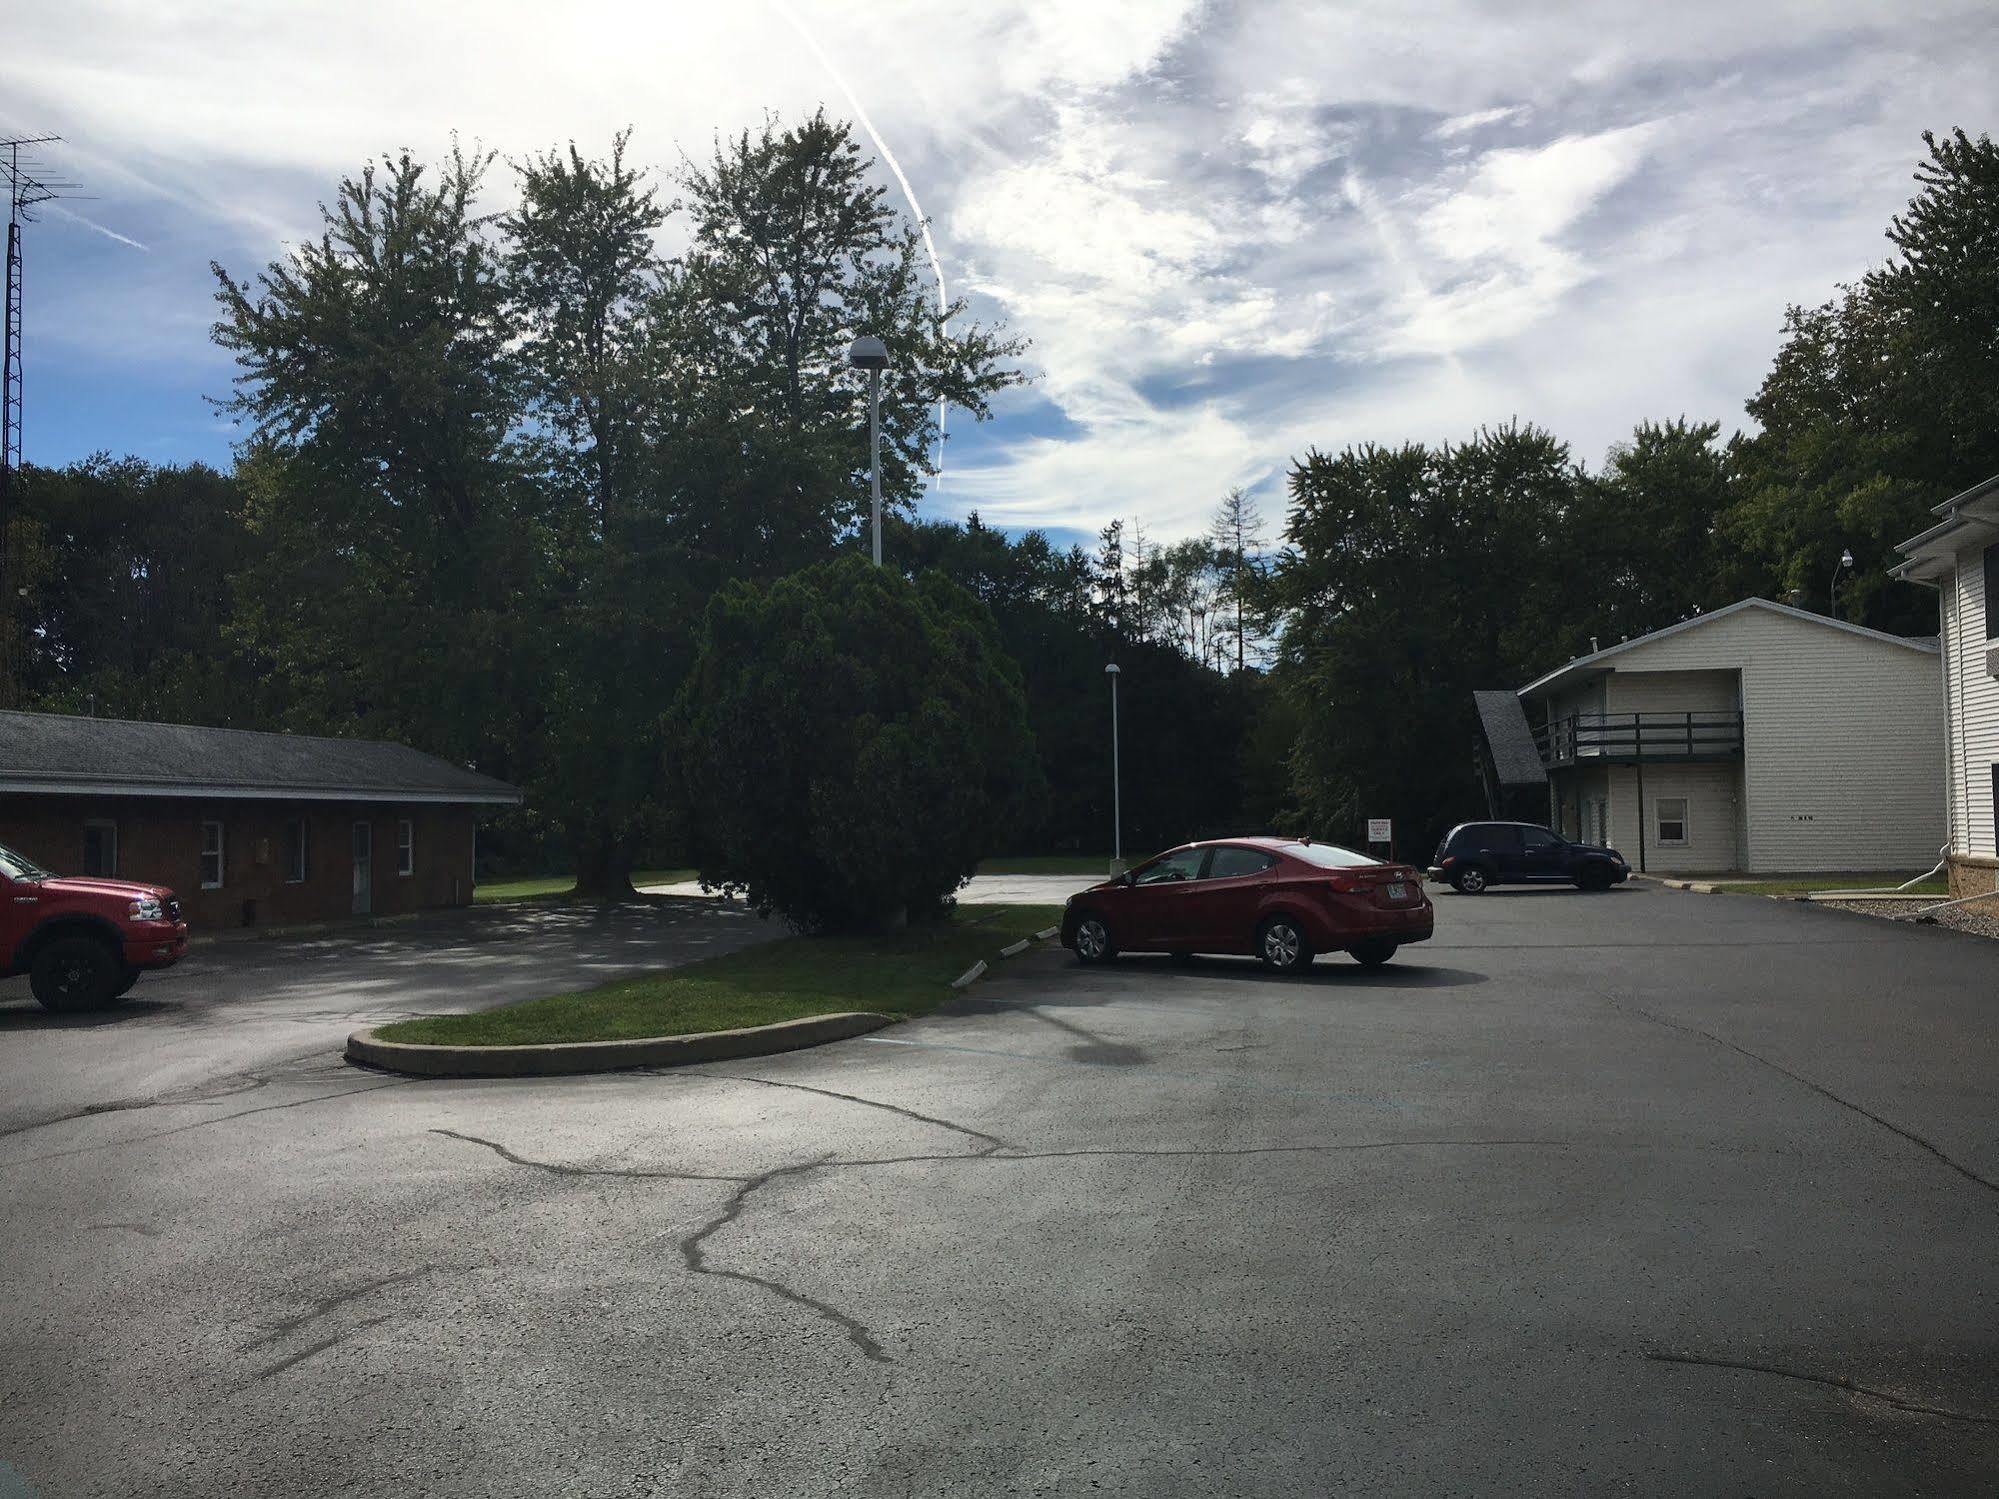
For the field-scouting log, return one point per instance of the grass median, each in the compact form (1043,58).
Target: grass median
(897,973)
(1803,883)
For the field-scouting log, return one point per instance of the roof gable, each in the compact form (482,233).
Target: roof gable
(1584,664)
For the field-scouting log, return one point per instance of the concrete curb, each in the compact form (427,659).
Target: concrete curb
(558,1059)
(970,975)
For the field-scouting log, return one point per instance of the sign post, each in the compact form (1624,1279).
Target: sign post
(1380,834)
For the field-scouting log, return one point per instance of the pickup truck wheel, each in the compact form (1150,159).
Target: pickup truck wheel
(76,973)
(126,979)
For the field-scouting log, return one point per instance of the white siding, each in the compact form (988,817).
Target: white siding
(1713,796)
(1842,740)
(1974,708)
(1640,691)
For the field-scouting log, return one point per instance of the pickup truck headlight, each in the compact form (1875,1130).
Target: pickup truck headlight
(148,908)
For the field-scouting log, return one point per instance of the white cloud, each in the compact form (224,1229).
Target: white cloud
(1230,231)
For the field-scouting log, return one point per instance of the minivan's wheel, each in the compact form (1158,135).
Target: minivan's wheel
(1471,880)
(76,973)
(1093,940)
(1373,952)
(1282,945)
(1593,879)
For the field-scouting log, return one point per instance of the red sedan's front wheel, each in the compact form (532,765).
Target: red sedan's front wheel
(1093,941)
(1281,943)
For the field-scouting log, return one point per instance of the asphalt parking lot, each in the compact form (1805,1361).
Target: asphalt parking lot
(1645,1192)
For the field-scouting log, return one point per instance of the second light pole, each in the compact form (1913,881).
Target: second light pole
(871,354)
(1117,793)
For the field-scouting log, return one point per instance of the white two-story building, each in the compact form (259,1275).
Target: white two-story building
(1959,557)
(1759,738)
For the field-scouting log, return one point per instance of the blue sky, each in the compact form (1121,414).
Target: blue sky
(1232,230)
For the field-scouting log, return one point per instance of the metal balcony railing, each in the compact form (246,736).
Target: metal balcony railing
(1628,737)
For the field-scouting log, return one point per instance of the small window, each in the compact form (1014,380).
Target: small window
(100,848)
(1235,863)
(405,847)
(1672,818)
(211,856)
(1538,838)
(1992,591)
(295,852)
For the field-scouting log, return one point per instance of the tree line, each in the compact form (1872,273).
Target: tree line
(497,467)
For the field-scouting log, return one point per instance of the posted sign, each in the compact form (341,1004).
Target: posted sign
(1378,830)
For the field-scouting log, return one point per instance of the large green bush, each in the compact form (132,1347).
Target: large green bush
(852,744)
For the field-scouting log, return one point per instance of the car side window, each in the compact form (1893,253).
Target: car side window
(1183,865)
(1538,838)
(1234,863)
(1493,838)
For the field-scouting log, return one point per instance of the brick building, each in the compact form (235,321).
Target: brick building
(248,828)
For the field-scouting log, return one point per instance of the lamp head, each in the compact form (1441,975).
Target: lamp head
(1846,558)
(1111,670)
(868,353)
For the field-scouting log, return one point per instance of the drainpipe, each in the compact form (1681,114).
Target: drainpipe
(1641,809)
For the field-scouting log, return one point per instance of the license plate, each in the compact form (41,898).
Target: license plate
(1398,892)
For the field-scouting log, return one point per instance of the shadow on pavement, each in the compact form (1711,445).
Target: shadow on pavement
(27,1015)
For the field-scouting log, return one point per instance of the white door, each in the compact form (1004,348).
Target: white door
(364,868)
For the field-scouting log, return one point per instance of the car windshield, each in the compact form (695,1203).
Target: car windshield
(19,867)
(1327,855)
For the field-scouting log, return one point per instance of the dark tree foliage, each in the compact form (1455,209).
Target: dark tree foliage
(851,743)
(1883,401)
(120,579)
(1414,576)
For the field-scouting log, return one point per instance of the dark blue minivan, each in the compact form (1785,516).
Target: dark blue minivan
(1477,855)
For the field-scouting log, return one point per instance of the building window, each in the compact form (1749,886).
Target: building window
(405,847)
(100,847)
(211,856)
(295,865)
(1672,817)
(1992,591)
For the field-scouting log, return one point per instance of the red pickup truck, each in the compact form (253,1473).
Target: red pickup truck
(83,942)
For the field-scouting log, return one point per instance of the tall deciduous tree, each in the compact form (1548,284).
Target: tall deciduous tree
(1883,401)
(1236,537)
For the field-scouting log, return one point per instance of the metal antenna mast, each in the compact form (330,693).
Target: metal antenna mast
(28,187)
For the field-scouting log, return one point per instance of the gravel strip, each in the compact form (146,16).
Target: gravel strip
(1980,922)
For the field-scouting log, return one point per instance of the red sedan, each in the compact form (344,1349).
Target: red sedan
(1283,899)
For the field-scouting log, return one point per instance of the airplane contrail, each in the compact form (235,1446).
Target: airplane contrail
(902,178)
(70,213)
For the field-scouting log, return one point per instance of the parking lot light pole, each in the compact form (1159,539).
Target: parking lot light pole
(1832,592)
(871,354)
(1117,793)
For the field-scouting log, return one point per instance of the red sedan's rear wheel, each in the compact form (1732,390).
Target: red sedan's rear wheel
(1281,943)
(1373,952)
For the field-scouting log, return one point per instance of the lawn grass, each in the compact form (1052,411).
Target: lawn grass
(897,973)
(544,886)
(1801,883)
(1096,864)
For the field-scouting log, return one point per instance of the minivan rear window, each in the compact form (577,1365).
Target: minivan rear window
(1327,855)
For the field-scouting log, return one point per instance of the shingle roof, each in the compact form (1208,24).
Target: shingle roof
(1514,756)
(55,753)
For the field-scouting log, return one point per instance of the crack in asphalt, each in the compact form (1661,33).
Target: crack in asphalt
(211,1091)
(695,1257)
(557,1168)
(1819,1088)
(181,1129)
(993,1142)
(692,1246)
(1831,1381)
